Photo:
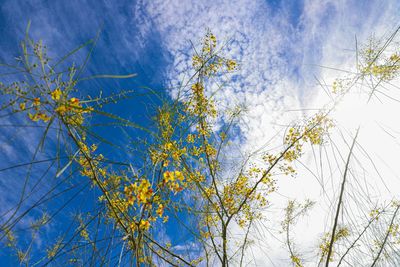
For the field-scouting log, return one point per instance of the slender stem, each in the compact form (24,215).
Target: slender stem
(386,237)
(335,223)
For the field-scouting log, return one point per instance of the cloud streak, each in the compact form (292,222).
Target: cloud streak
(285,51)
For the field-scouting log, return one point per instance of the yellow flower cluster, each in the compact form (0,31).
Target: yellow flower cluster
(384,68)
(52,252)
(317,127)
(296,261)
(144,191)
(201,105)
(69,110)
(210,42)
(341,233)
(56,94)
(292,139)
(144,225)
(39,114)
(190,138)
(313,132)
(236,192)
(209,62)
(174,180)
(160,210)
(165,123)
(89,163)
(374,214)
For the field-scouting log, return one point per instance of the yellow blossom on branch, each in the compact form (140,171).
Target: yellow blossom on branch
(56,94)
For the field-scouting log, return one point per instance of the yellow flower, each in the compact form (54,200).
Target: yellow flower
(168,146)
(190,138)
(43,117)
(56,94)
(74,102)
(132,225)
(93,147)
(22,106)
(144,191)
(36,101)
(33,117)
(223,136)
(165,219)
(179,175)
(394,57)
(61,109)
(231,65)
(39,116)
(144,225)
(131,200)
(168,176)
(160,210)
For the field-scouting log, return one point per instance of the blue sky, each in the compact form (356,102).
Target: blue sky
(280,46)
(63,27)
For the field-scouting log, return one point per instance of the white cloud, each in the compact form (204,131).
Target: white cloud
(280,57)
(258,39)
(280,66)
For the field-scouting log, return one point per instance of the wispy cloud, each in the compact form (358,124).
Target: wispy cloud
(259,37)
(280,46)
(284,50)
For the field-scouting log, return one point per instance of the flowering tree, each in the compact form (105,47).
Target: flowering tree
(181,173)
